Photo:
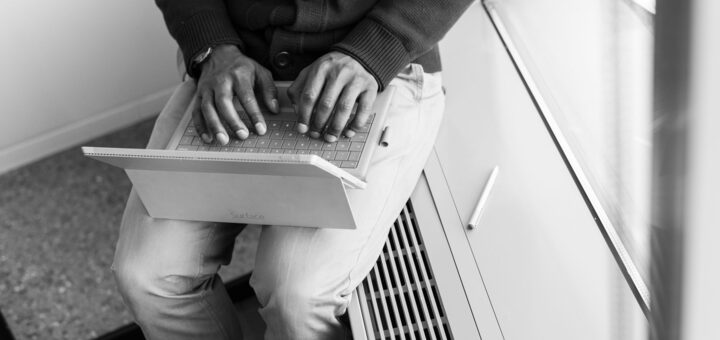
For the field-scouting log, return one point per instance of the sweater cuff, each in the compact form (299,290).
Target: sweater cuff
(377,49)
(203,30)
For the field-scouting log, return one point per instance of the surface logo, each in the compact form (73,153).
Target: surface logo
(246,215)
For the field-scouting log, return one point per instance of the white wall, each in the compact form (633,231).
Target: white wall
(72,70)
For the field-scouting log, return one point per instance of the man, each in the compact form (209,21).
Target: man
(338,53)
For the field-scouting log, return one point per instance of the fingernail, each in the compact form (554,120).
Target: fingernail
(331,138)
(206,138)
(302,128)
(314,134)
(260,128)
(222,138)
(242,134)
(274,106)
(349,133)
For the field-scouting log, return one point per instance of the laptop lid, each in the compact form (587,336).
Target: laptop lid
(294,190)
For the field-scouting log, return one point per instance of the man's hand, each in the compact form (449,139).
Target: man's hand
(227,74)
(326,91)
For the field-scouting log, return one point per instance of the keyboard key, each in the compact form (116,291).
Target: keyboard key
(226,149)
(236,142)
(273,124)
(290,151)
(251,150)
(190,130)
(303,152)
(336,163)
(290,134)
(276,143)
(315,145)
(288,125)
(197,141)
(342,155)
(342,145)
(276,150)
(302,145)
(356,146)
(354,156)
(289,144)
(316,152)
(359,137)
(277,134)
(329,155)
(349,164)
(328,146)
(187,148)
(203,148)
(249,143)
(262,143)
(214,148)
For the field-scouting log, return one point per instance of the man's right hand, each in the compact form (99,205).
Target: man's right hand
(227,73)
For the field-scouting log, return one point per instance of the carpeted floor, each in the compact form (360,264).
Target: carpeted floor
(58,227)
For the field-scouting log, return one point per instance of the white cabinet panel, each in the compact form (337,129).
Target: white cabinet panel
(545,265)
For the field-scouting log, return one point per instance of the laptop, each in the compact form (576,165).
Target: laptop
(280,178)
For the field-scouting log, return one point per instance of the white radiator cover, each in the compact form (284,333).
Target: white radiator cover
(399,299)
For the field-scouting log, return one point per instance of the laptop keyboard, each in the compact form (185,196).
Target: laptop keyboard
(282,137)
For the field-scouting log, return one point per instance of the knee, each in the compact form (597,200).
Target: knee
(138,282)
(289,297)
(283,304)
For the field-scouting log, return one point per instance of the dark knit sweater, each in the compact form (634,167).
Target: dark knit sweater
(287,35)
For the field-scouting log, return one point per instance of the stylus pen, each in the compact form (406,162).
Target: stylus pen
(477,213)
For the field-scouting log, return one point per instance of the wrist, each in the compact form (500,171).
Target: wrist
(212,54)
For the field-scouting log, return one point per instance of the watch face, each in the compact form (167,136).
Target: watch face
(202,56)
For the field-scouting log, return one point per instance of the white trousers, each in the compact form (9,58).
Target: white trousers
(166,270)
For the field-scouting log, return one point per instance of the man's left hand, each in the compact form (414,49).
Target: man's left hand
(325,93)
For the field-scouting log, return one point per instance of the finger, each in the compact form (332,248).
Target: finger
(246,96)
(294,95)
(269,91)
(364,108)
(224,105)
(325,106)
(308,96)
(212,120)
(199,121)
(343,109)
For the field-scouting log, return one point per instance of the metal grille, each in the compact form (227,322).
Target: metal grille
(399,298)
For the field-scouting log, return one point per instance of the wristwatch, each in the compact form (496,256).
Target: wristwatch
(199,59)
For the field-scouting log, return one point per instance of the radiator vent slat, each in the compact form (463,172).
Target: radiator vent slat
(400,293)
(412,289)
(418,267)
(391,297)
(400,287)
(383,302)
(373,302)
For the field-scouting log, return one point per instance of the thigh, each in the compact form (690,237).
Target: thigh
(333,260)
(163,247)
(171,247)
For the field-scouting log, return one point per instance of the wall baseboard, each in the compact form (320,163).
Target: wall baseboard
(75,133)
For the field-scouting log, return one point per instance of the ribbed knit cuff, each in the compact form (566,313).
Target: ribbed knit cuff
(377,49)
(203,30)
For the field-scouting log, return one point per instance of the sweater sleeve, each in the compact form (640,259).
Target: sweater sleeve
(197,25)
(396,32)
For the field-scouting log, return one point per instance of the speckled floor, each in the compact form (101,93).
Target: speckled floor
(58,227)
